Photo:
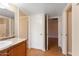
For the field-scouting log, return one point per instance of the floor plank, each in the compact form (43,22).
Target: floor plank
(53,49)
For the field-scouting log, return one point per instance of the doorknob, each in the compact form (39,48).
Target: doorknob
(41,34)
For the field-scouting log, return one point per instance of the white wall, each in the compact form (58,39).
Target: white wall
(75,30)
(23,27)
(37,22)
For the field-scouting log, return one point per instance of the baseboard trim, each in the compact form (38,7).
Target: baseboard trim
(37,49)
(60,49)
(69,54)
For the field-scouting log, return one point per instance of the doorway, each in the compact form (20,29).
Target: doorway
(51,40)
(52,33)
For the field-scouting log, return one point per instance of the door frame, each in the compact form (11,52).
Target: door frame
(46,32)
(46,25)
(28,33)
(70,8)
(64,41)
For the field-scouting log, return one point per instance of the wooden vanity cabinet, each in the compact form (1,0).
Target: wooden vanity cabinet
(4,52)
(16,50)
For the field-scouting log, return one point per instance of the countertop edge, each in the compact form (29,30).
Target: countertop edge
(18,42)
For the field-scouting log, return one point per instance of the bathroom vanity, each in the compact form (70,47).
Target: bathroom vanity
(12,30)
(13,47)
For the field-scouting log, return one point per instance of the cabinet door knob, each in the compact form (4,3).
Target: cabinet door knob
(40,33)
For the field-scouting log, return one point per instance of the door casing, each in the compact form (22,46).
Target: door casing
(64,30)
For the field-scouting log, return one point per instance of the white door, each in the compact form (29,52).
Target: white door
(37,31)
(64,33)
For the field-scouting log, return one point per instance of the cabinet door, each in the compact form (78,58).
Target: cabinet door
(18,50)
(4,52)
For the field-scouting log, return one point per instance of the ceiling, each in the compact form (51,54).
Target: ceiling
(6,13)
(52,9)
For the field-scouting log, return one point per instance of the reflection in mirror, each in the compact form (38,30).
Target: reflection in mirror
(6,24)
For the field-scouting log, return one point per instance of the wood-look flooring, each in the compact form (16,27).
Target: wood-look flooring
(53,49)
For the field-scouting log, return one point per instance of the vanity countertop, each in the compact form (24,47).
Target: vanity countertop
(4,44)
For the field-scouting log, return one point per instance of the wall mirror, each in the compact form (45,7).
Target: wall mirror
(7,24)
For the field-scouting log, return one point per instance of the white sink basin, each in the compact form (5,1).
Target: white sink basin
(4,44)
